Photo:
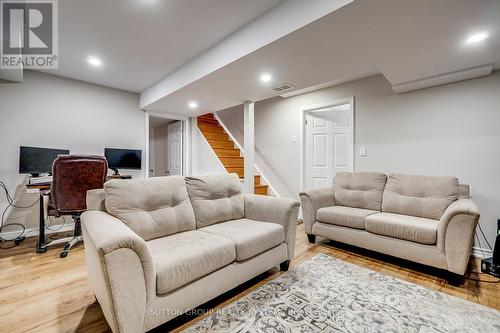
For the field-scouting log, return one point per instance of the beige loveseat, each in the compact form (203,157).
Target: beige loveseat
(429,220)
(158,247)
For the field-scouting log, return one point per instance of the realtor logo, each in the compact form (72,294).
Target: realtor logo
(29,33)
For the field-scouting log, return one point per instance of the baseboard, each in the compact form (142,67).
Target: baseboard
(33,232)
(481,253)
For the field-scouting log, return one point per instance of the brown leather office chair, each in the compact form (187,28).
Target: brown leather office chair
(72,177)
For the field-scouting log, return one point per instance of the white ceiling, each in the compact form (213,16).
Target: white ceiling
(403,40)
(155,122)
(141,41)
(269,27)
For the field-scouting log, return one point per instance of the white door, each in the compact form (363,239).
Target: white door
(174,150)
(329,144)
(160,151)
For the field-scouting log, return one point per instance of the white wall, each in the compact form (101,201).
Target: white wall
(447,130)
(203,159)
(49,111)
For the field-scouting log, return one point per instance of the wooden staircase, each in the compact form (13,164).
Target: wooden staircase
(226,150)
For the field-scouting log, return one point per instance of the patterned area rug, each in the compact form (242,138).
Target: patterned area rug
(328,295)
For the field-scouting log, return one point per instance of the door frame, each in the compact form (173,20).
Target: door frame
(186,140)
(148,171)
(302,133)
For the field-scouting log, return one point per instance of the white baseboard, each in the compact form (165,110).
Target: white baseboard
(481,253)
(33,232)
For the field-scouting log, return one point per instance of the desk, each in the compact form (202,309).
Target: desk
(44,188)
(118,177)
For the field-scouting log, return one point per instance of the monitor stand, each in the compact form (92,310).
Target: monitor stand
(116,173)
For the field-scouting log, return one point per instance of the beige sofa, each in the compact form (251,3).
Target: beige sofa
(429,220)
(158,247)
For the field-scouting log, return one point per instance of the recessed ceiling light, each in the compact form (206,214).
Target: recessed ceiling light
(193,105)
(477,37)
(266,77)
(94,61)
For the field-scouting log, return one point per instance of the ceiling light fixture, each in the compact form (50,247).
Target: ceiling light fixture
(266,77)
(477,37)
(94,61)
(192,105)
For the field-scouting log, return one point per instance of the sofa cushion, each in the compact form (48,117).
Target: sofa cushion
(251,237)
(151,207)
(359,189)
(216,198)
(344,216)
(422,196)
(415,229)
(188,256)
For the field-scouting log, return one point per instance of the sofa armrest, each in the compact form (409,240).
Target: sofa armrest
(121,270)
(95,200)
(455,234)
(312,200)
(276,210)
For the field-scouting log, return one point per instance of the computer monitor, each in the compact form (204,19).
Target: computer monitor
(36,160)
(123,159)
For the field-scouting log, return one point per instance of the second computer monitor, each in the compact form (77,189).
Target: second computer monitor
(123,159)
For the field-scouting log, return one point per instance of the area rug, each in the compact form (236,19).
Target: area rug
(328,295)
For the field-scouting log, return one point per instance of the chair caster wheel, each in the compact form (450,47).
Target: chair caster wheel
(63,254)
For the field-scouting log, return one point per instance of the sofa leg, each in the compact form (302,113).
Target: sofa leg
(284,265)
(311,238)
(454,279)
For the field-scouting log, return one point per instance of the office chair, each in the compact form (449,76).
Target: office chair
(72,177)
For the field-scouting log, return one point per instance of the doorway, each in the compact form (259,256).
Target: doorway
(166,146)
(328,147)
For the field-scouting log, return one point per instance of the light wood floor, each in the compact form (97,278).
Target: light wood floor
(44,293)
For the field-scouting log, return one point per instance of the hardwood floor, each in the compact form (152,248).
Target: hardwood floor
(44,293)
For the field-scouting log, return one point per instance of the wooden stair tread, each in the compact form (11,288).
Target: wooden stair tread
(220,136)
(256,179)
(216,141)
(217,135)
(232,161)
(227,152)
(260,189)
(210,128)
(207,115)
(221,145)
(220,141)
(207,122)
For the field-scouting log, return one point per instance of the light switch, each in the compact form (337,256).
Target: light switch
(362,151)
(294,139)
